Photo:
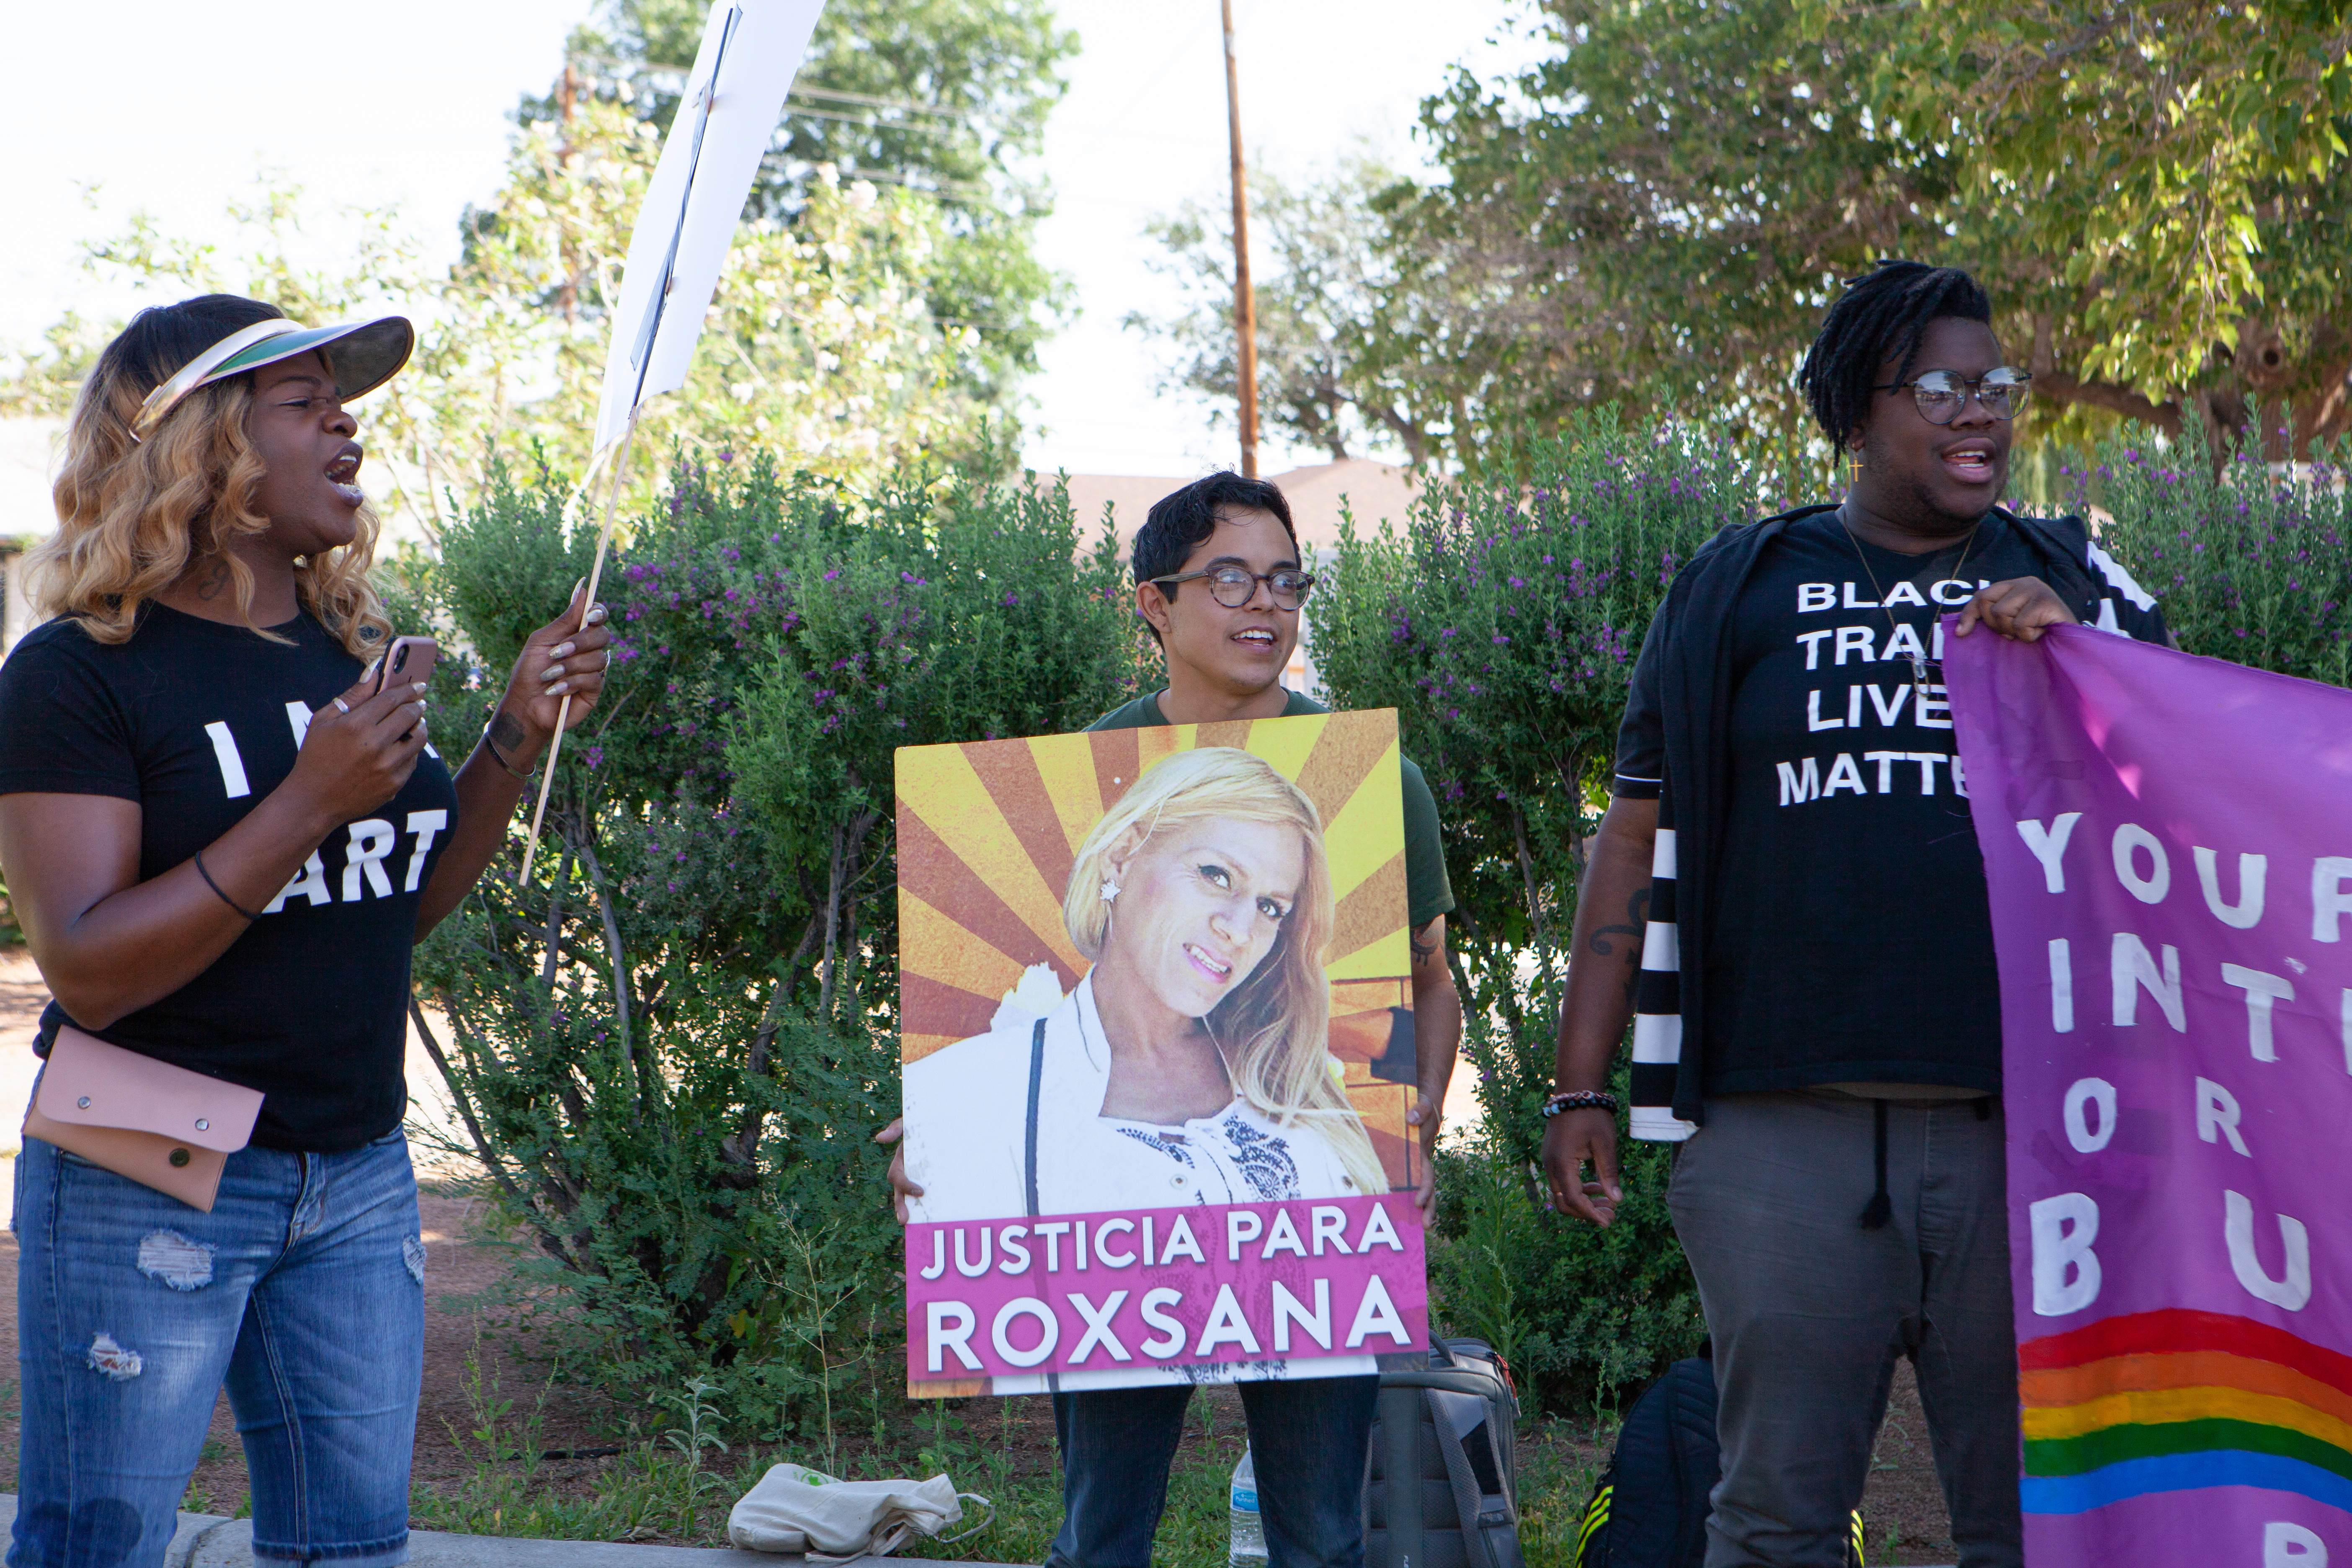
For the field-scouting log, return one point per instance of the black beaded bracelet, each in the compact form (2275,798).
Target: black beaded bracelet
(215,887)
(1581,1099)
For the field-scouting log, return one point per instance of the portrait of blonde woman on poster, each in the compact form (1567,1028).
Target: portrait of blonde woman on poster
(1191,1064)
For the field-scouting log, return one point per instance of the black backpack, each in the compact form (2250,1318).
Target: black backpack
(1650,1509)
(1450,1426)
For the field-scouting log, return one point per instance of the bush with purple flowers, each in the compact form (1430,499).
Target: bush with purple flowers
(2251,562)
(673,1046)
(1503,626)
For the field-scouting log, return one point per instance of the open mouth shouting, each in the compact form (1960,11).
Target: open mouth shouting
(1973,461)
(343,473)
(1212,969)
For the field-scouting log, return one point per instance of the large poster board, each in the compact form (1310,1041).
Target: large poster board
(2168,841)
(1157,1049)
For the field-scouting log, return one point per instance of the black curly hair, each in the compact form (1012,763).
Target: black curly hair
(1881,316)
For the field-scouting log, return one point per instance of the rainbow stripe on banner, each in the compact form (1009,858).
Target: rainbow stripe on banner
(2176,1400)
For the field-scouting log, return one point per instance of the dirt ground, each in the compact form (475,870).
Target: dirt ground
(467,1360)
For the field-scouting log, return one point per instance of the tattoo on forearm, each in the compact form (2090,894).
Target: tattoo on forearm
(1422,951)
(506,731)
(1637,915)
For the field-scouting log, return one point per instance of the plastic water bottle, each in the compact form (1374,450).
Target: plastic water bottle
(1248,1550)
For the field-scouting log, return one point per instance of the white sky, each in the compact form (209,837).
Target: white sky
(142,100)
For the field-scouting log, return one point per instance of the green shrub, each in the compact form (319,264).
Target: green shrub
(1503,624)
(673,1046)
(2251,563)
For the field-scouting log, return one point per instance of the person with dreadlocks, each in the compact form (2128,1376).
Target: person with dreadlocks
(1818,1011)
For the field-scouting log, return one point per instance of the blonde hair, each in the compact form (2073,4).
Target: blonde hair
(133,515)
(1274,1029)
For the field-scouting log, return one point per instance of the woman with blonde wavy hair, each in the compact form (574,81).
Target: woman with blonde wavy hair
(1191,1064)
(222,832)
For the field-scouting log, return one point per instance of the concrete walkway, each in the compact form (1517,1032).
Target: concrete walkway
(208,1541)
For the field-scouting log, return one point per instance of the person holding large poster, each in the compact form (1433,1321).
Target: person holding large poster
(1820,1014)
(1180,1089)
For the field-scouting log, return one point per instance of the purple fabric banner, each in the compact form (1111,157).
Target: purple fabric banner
(2169,846)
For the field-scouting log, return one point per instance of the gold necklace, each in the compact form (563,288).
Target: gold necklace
(1918,660)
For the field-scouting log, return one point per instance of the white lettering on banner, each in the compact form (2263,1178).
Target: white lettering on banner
(987,1240)
(2217,1116)
(1795,787)
(1235,1237)
(1378,1231)
(1853,602)
(1929,762)
(2292,1289)
(1814,720)
(2129,840)
(1903,644)
(2290,1545)
(1079,1246)
(939,1264)
(2083,1095)
(1854,707)
(1049,1335)
(2049,846)
(1052,1232)
(1227,1326)
(2262,990)
(425,825)
(2253,870)
(1904,593)
(1856,640)
(1920,714)
(1098,1331)
(1104,1231)
(1016,1254)
(1330,1223)
(2330,901)
(1154,1307)
(370,841)
(1180,1243)
(1889,712)
(1844,774)
(948,1326)
(2065,1269)
(1289,1310)
(1376,1314)
(1812,597)
(2131,970)
(2062,987)
(311,884)
(1282,1236)
(1885,761)
(1812,641)
(232,766)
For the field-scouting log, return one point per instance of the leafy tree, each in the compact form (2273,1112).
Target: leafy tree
(1318,305)
(818,344)
(1657,212)
(948,98)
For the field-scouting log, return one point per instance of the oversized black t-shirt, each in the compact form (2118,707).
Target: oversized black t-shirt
(1851,940)
(197,721)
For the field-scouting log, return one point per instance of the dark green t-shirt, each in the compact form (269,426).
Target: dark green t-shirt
(1428,893)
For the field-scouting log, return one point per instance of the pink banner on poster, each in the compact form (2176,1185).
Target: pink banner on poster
(2167,842)
(1209,1284)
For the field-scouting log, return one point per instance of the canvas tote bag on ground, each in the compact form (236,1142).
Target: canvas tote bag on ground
(160,1125)
(803,1510)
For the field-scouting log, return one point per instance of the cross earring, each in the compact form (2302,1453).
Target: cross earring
(1854,469)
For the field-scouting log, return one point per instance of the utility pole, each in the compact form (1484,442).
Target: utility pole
(1244,297)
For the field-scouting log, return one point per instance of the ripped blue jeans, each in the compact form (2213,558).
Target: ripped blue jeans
(302,1291)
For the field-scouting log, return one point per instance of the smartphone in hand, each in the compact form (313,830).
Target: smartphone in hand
(407,659)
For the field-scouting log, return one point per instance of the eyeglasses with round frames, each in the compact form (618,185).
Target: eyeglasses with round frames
(1941,395)
(1235,586)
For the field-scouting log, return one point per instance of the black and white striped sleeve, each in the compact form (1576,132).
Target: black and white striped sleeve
(1657,1005)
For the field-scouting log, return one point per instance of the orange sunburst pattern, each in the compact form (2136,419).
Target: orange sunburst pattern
(988,831)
